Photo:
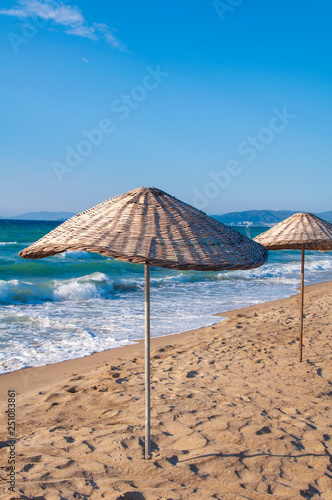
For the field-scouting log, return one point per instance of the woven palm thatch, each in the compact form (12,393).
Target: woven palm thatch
(149,226)
(298,230)
(302,231)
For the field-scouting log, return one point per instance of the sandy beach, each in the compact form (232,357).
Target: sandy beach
(234,414)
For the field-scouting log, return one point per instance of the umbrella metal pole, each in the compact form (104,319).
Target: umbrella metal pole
(147,362)
(302,303)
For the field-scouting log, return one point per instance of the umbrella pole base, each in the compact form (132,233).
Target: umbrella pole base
(147,453)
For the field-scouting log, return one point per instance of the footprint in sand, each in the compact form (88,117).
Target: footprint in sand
(72,389)
(52,405)
(52,397)
(100,388)
(27,467)
(66,465)
(91,448)
(57,428)
(69,439)
(263,430)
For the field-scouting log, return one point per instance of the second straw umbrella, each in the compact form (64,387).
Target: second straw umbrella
(301,231)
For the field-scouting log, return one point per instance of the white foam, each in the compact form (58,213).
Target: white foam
(48,321)
(83,288)
(75,291)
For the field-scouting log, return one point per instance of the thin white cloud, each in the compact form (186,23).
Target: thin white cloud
(85,60)
(82,30)
(107,35)
(68,16)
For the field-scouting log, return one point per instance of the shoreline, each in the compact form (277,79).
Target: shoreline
(32,378)
(234,414)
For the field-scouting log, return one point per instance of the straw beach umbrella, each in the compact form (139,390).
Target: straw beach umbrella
(302,231)
(150,227)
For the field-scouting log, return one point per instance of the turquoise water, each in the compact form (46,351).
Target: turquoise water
(74,304)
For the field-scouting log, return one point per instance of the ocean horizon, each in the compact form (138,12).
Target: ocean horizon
(77,303)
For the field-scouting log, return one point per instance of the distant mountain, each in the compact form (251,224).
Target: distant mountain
(56,216)
(326,215)
(261,217)
(249,217)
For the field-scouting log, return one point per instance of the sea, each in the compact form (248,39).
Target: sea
(77,303)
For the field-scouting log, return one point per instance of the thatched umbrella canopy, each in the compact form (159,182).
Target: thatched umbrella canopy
(302,231)
(151,227)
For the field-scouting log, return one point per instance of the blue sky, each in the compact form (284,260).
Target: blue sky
(226,105)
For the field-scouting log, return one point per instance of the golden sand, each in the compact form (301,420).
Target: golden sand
(234,414)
